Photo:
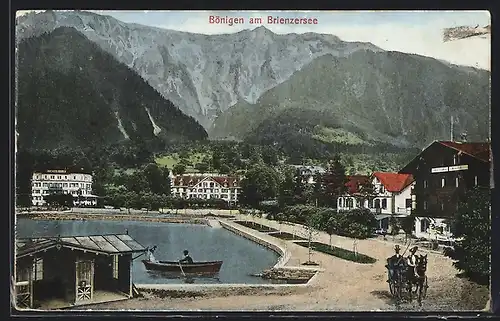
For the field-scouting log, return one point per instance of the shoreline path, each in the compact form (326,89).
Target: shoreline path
(341,285)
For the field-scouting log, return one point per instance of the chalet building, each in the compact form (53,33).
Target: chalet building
(391,195)
(309,172)
(58,272)
(206,186)
(78,184)
(354,198)
(443,172)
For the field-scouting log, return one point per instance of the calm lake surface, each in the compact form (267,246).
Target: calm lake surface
(241,257)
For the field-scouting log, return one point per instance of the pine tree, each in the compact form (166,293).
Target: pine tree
(318,190)
(334,181)
(299,189)
(286,192)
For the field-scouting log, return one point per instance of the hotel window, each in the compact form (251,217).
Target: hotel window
(443,182)
(475,180)
(37,269)
(425,205)
(58,176)
(115,266)
(52,176)
(456,182)
(425,184)
(65,185)
(384,203)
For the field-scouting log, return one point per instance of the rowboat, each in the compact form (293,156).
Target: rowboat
(184,268)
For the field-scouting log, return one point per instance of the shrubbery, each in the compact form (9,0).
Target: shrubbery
(356,223)
(339,252)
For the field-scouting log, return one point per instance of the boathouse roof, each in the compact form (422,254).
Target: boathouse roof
(101,244)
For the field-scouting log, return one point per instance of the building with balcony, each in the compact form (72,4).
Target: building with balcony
(61,181)
(443,172)
(206,186)
(391,195)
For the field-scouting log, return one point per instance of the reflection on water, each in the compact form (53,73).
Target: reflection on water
(242,258)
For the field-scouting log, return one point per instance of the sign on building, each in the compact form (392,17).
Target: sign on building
(449,169)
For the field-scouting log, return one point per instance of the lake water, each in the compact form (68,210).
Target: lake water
(241,256)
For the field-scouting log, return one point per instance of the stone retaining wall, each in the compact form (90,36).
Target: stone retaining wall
(286,274)
(282,252)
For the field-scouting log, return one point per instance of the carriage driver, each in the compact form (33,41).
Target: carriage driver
(394,262)
(412,262)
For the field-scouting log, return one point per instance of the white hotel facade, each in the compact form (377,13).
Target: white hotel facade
(206,186)
(61,181)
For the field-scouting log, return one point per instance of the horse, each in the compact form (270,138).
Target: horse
(418,278)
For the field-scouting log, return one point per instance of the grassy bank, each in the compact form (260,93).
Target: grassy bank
(339,252)
(114,217)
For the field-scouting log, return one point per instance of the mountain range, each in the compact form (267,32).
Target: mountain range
(387,97)
(238,85)
(72,93)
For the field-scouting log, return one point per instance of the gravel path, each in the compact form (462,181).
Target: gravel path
(343,286)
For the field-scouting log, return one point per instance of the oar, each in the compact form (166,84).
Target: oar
(184,274)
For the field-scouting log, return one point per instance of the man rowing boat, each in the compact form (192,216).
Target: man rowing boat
(187,259)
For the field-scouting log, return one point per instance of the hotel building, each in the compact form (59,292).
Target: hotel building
(78,184)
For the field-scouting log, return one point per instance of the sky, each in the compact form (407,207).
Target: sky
(418,32)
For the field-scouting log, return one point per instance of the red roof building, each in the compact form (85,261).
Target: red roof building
(206,187)
(355,183)
(480,151)
(394,182)
(444,171)
(391,194)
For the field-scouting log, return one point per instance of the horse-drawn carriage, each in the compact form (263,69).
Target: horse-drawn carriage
(406,281)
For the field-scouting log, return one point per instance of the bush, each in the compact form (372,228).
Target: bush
(356,223)
(339,252)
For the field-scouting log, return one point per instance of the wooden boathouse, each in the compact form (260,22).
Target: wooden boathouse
(59,272)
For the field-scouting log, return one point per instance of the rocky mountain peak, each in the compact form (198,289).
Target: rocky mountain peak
(202,75)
